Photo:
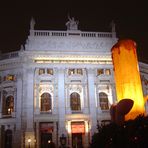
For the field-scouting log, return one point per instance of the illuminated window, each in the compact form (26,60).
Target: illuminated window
(41,71)
(103,99)
(9,78)
(50,71)
(46,102)
(75,103)
(79,71)
(75,71)
(71,71)
(100,71)
(8,105)
(107,72)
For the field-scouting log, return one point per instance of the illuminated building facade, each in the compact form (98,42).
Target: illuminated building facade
(57,87)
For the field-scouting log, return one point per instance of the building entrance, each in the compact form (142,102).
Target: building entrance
(46,139)
(78,132)
(46,131)
(77,140)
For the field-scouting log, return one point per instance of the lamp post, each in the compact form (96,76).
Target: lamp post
(29,141)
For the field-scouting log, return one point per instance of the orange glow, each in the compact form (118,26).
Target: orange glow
(146,98)
(78,128)
(127,77)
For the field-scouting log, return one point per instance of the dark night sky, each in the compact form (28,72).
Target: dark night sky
(131,20)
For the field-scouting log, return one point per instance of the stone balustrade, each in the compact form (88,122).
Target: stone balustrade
(9,55)
(44,33)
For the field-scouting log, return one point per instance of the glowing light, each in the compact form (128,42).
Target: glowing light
(127,77)
(68,127)
(29,140)
(78,128)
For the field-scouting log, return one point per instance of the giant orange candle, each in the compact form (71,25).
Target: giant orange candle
(127,77)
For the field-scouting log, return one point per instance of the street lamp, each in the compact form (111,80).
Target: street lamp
(29,141)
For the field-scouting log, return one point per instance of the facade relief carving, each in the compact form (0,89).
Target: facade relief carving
(60,44)
(76,88)
(46,88)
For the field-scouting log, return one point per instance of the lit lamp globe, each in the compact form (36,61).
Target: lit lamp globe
(127,77)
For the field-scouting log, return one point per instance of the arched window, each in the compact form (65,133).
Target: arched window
(8,138)
(103,97)
(8,105)
(75,102)
(46,103)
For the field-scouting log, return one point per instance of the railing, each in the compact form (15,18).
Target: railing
(9,55)
(43,33)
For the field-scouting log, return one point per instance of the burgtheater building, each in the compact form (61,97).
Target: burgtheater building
(58,87)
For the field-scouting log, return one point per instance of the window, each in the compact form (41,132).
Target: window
(50,71)
(79,71)
(46,102)
(75,103)
(8,105)
(41,71)
(107,72)
(100,71)
(103,97)
(103,72)
(9,78)
(71,71)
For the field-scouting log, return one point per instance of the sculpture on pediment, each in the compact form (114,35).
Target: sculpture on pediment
(72,24)
(32,24)
(113,26)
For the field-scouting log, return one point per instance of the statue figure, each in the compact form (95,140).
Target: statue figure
(72,24)
(22,48)
(32,24)
(113,26)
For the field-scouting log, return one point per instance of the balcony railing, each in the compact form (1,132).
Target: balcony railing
(9,55)
(44,33)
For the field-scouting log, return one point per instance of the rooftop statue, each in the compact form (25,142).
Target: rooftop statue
(72,24)
(113,26)
(32,24)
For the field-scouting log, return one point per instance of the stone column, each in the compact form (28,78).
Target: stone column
(61,102)
(67,97)
(37,135)
(99,111)
(1,102)
(18,110)
(55,132)
(55,92)
(0,136)
(29,133)
(113,93)
(86,109)
(92,102)
(86,141)
(37,109)
(54,99)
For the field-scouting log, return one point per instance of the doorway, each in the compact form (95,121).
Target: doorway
(46,134)
(46,139)
(77,140)
(78,132)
